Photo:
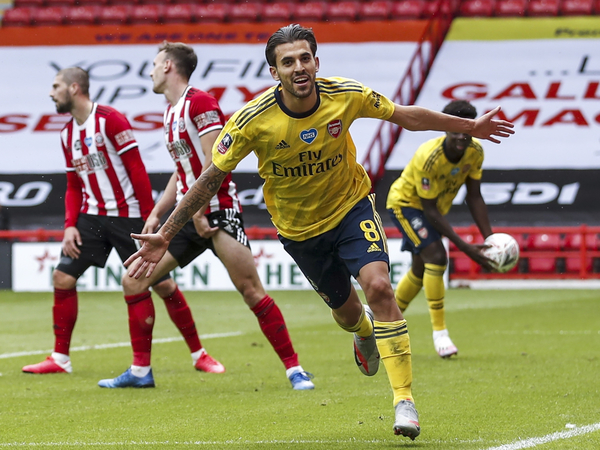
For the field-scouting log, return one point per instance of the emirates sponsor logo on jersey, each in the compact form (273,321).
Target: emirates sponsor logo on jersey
(307,169)
(207,118)
(225,143)
(334,128)
(94,162)
(124,137)
(179,150)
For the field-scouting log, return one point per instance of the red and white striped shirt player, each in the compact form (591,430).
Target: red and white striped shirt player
(195,114)
(105,172)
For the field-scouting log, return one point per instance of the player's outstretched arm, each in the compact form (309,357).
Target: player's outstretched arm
(154,246)
(416,118)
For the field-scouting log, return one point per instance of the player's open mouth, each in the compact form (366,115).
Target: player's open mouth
(301,80)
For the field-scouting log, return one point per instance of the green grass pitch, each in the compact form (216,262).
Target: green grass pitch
(527,376)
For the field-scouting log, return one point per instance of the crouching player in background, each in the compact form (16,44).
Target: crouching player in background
(417,203)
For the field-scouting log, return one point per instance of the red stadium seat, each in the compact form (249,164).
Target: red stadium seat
(245,12)
(51,16)
(576,7)
(179,13)
(213,12)
(464,265)
(542,8)
(344,11)
(544,242)
(573,264)
(114,14)
(407,9)
(573,241)
(510,8)
(377,10)
(29,3)
(92,2)
(542,265)
(59,2)
(146,14)
(308,11)
(82,15)
(277,12)
(17,17)
(477,8)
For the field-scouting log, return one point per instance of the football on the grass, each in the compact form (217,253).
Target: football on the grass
(503,250)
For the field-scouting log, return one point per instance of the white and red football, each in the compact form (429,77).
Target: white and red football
(503,250)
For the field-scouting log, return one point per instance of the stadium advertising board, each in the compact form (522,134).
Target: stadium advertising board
(545,74)
(32,265)
(231,66)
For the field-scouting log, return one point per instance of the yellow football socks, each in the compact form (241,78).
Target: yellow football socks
(407,289)
(363,328)
(433,283)
(393,344)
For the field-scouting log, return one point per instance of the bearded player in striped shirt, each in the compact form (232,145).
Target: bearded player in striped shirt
(193,120)
(108,196)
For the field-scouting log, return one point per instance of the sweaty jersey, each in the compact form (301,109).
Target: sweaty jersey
(308,161)
(195,114)
(430,175)
(104,155)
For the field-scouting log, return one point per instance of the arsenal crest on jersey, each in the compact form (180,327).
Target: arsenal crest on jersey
(335,128)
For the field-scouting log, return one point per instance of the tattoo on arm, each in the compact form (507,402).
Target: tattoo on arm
(205,187)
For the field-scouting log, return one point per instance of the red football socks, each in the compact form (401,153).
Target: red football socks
(141,323)
(181,315)
(274,328)
(64,313)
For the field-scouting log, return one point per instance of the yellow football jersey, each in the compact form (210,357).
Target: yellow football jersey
(308,161)
(430,175)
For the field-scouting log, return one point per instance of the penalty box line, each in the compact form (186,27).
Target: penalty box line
(534,442)
(118,344)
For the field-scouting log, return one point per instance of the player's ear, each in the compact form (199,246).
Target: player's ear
(317,63)
(274,73)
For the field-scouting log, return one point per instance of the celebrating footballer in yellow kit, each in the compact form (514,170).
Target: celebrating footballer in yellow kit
(318,197)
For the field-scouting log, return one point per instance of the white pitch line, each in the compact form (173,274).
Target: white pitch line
(118,344)
(228,442)
(534,442)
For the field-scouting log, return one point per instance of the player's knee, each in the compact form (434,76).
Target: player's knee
(62,280)
(379,288)
(165,288)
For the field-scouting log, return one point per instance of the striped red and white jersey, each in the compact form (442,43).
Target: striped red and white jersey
(111,185)
(195,114)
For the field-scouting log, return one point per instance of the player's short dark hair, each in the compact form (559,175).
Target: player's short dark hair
(289,35)
(182,55)
(460,108)
(76,75)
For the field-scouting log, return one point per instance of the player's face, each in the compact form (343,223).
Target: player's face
(61,96)
(296,70)
(158,74)
(456,145)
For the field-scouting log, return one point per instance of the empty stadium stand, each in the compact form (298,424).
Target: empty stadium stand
(88,12)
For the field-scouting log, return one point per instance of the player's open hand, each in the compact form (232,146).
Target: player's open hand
(154,246)
(486,127)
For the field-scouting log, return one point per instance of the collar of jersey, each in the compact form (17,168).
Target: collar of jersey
(293,114)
